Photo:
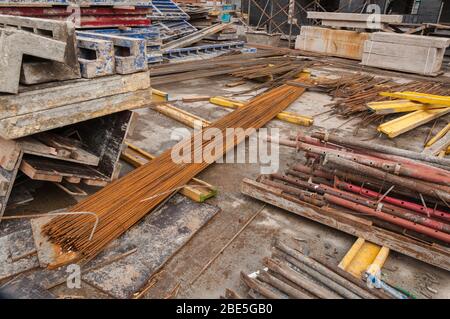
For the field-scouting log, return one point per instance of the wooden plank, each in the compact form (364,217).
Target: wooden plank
(342,16)
(74,146)
(39,168)
(10,158)
(441,145)
(36,174)
(48,96)
(106,136)
(409,39)
(30,145)
(436,255)
(23,125)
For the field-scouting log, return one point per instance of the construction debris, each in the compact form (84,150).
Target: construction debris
(72,74)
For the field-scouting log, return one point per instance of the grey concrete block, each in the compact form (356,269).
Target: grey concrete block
(63,31)
(14,44)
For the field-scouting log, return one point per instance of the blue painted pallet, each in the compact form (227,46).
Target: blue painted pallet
(171,30)
(167,10)
(146,33)
(203,49)
(131,53)
(150,34)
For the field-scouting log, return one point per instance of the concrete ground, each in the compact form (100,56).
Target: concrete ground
(248,249)
(153,134)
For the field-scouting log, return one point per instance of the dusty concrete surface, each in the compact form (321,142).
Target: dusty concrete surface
(153,133)
(247,251)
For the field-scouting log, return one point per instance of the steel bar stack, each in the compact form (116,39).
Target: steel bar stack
(124,202)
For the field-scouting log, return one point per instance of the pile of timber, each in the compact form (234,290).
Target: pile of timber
(355,20)
(404,52)
(392,197)
(43,107)
(85,153)
(290,274)
(64,102)
(339,43)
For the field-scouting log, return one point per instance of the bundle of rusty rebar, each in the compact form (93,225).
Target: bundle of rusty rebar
(125,201)
(353,97)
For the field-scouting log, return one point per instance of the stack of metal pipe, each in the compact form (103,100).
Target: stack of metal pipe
(400,190)
(290,274)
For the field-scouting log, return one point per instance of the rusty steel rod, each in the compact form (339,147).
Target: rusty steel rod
(391,178)
(394,201)
(350,141)
(389,218)
(124,202)
(388,209)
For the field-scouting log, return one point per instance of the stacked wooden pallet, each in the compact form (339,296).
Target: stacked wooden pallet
(406,53)
(340,43)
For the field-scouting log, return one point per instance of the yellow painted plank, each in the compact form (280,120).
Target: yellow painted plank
(439,135)
(420,97)
(159,96)
(364,256)
(283,116)
(346,261)
(378,263)
(295,118)
(399,106)
(221,101)
(410,121)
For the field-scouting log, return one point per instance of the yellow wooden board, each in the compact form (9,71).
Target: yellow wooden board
(419,97)
(410,121)
(439,135)
(364,256)
(399,106)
